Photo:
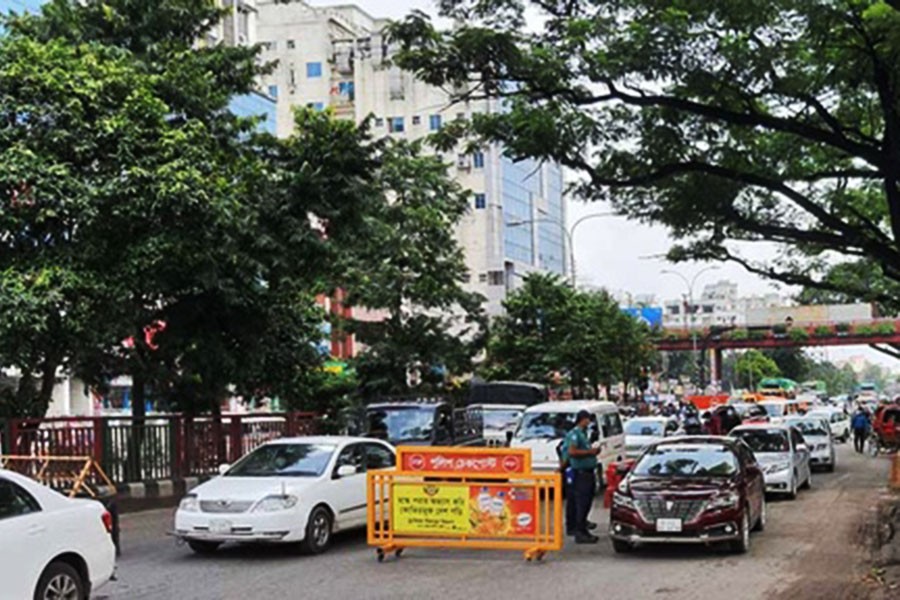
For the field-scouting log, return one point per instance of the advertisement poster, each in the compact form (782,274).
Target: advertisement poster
(477,510)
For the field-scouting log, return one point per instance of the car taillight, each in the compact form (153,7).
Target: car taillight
(107,521)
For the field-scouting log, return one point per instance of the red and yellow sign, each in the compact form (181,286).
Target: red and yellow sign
(496,461)
(464,509)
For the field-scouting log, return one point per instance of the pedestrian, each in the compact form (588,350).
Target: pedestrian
(582,459)
(860,424)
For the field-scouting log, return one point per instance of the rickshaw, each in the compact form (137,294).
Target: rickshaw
(885,436)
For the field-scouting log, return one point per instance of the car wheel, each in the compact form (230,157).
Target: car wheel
(622,547)
(792,492)
(808,483)
(201,547)
(60,581)
(742,544)
(761,521)
(318,531)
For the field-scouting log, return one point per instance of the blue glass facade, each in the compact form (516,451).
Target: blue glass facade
(255,105)
(551,239)
(520,182)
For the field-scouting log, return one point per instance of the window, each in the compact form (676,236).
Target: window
(395,125)
(15,501)
(496,277)
(347,90)
(416,119)
(379,122)
(290,44)
(434,122)
(612,424)
(460,116)
(480,201)
(379,457)
(478,160)
(482,278)
(293,77)
(313,70)
(273,91)
(352,455)
(317,106)
(269,45)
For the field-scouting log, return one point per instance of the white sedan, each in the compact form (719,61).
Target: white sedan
(51,547)
(641,432)
(298,490)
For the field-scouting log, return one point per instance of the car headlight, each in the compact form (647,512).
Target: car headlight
(726,500)
(623,486)
(275,503)
(822,447)
(778,467)
(623,501)
(189,503)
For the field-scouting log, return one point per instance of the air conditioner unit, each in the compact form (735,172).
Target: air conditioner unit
(463,161)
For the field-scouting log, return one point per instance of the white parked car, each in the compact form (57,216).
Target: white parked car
(641,432)
(817,434)
(838,421)
(299,489)
(51,546)
(543,426)
(782,453)
(500,421)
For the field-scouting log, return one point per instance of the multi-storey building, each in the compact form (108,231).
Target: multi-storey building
(718,305)
(336,58)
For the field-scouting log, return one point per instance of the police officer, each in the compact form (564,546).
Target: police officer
(583,461)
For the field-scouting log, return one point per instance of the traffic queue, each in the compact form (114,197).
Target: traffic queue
(677,476)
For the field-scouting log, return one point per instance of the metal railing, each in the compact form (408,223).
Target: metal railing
(156,447)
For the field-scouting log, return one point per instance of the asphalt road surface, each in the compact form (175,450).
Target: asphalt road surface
(807,551)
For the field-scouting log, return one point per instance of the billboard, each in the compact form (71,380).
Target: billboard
(651,315)
(808,315)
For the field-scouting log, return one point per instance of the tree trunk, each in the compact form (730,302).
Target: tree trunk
(133,466)
(45,392)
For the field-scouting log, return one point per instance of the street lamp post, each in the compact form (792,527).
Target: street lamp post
(690,295)
(568,234)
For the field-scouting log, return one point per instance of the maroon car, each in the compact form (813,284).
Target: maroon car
(701,489)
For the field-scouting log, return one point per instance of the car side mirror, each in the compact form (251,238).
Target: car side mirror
(223,468)
(802,448)
(346,471)
(623,468)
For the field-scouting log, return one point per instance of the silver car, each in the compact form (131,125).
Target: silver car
(817,433)
(782,453)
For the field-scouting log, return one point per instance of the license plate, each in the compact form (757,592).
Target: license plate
(220,526)
(668,525)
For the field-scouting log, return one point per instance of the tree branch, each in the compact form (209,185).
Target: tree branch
(893,352)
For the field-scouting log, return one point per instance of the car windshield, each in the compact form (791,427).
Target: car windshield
(402,423)
(687,461)
(774,410)
(545,425)
(501,420)
(811,427)
(764,440)
(644,428)
(284,460)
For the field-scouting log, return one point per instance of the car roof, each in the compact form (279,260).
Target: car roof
(650,418)
(487,407)
(565,406)
(325,439)
(406,404)
(784,428)
(695,440)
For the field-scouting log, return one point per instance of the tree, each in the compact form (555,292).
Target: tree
(792,362)
(732,121)
(408,263)
(752,366)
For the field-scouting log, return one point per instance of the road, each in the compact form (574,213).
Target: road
(805,552)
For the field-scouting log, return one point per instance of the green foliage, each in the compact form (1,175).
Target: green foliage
(771,120)
(823,331)
(739,334)
(758,334)
(550,328)
(885,329)
(798,335)
(752,366)
(864,330)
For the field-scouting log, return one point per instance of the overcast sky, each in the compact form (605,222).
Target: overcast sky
(615,253)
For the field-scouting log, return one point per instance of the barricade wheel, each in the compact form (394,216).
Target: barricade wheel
(399,552)
(379,554)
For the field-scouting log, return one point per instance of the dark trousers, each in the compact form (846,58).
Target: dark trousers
(859,439)
(582,498)
(571,519)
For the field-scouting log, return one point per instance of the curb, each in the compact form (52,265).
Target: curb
(147,495)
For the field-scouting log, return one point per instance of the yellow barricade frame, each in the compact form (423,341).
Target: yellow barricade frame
(548,534)
(70,474)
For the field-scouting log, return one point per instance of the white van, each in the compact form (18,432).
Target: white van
(542,426)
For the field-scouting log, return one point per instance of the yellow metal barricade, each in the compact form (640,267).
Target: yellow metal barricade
(71,475)
(496,511)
